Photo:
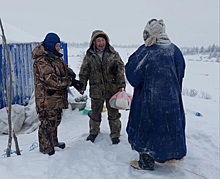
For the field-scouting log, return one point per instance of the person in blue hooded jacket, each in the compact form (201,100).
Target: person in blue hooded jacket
(156,125)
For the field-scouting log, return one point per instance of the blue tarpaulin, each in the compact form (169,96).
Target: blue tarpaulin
(22,71)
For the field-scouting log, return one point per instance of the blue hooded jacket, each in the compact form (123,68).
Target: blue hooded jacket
(49,43)
(156,122)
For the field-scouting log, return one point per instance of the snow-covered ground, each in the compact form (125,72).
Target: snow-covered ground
(82,159)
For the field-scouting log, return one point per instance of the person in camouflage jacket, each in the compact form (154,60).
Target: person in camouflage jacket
(52,76)
(104,69)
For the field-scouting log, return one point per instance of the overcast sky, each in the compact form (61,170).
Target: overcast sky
(188,22)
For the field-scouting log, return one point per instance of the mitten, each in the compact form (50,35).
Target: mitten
(51,92)
(71,75)
(77,84)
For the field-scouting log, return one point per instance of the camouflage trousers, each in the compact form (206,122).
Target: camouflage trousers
(47,133)
(95,118)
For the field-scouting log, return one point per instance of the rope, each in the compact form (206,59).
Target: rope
(32,147)
(12,152)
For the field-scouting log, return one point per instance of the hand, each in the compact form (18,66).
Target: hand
(81,92)
(51,92)
(71,75)
(77,84)
(121,89)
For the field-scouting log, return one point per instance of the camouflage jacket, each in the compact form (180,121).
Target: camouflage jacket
(51,79)
(105,76)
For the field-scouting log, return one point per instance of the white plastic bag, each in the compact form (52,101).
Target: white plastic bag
(121,100)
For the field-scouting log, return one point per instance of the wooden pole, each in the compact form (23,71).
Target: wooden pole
(8,101)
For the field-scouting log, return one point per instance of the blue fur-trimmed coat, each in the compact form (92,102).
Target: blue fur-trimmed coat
(156,121)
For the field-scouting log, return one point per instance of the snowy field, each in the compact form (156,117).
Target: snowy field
(85,160)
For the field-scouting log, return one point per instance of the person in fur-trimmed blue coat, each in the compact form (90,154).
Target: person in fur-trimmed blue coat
(156,125)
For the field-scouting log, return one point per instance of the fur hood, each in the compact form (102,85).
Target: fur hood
(39,51)
(97,33)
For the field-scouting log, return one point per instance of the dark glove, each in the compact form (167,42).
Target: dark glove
(51,92)
(71,75)
(113,69)
(77,84)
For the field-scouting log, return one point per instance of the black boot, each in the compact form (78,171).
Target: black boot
(146,162)
(91,137)
(61,145)
(115,140)
(52,152)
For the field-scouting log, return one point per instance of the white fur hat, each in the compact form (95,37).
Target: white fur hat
(156,30)
(155,26)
